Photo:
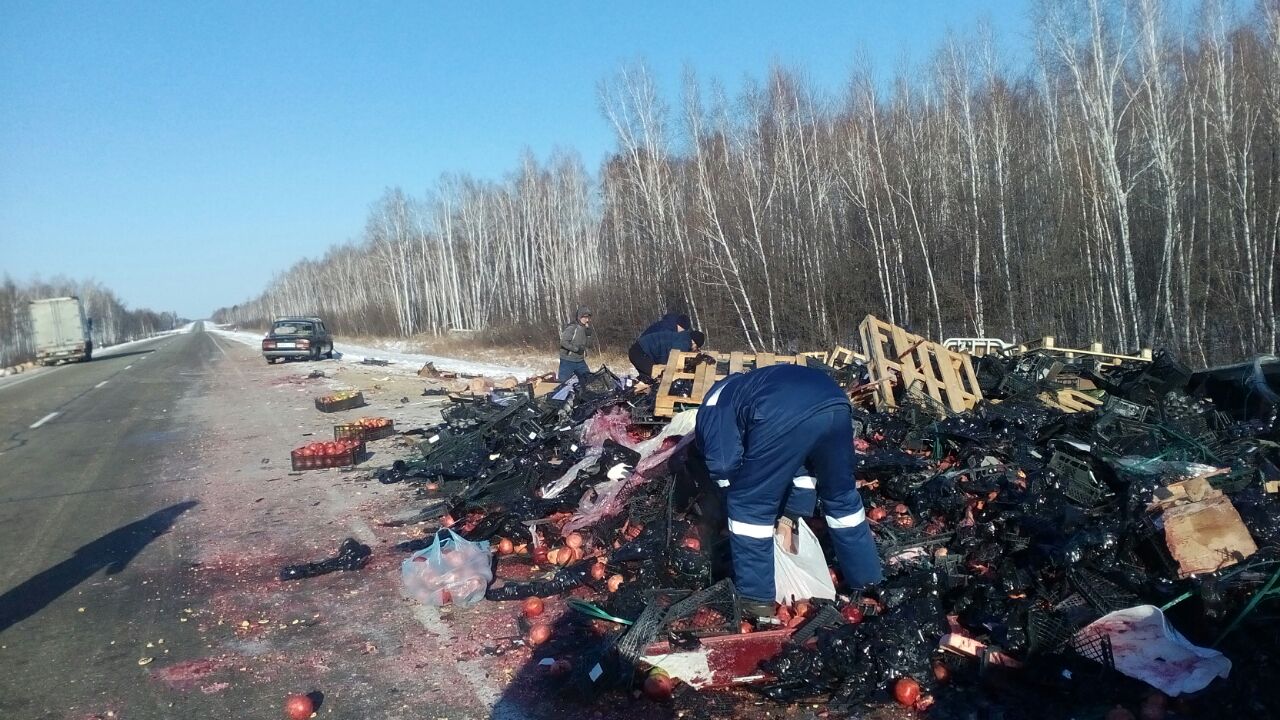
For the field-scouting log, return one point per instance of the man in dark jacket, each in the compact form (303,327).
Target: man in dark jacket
(573,346)
(758,433)
(654,348)
(670,321)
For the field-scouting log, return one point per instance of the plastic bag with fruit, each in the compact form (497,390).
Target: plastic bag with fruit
(451,570)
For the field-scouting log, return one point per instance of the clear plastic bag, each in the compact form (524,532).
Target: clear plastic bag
(450,570)
(804,574)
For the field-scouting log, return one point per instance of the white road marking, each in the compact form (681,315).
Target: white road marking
(126,367)
(43,420)
(104,382)
(215,344)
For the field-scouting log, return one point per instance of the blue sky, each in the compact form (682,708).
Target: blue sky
(183,153)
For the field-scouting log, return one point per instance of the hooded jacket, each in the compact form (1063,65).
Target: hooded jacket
(658,345)
(670,322)
(574,337)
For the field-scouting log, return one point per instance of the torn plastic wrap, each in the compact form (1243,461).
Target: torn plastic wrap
(1147,648)
(351,555)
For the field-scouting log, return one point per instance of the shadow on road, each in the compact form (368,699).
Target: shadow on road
(112,551)
(106,354)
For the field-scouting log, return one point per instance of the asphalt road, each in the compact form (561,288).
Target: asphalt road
(88,495)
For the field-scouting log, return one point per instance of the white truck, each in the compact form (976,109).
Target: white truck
(60,330)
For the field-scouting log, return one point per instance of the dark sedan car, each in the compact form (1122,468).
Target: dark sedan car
(304,338)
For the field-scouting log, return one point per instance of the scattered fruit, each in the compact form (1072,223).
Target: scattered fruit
(533,607)
(597,571)
(298,707)
(615,582)
(506,547)
(573,540)
(538,634)
(1154,707)
(876,514)
(659,686)
(906,691)
(852,613)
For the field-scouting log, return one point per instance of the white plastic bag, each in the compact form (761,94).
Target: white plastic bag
(452,570)
(803,575)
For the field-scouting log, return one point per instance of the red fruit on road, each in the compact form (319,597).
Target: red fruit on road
(906,691)
(532,607)
(851,613)
(298,707)
(659,686)
(538,634)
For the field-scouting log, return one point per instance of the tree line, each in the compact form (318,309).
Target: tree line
(1124,187)
(113,322)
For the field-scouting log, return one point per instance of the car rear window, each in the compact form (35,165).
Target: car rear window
(293,328)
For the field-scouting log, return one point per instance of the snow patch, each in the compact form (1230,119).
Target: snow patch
(402,363)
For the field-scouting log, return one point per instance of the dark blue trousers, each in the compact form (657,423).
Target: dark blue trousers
(821,445)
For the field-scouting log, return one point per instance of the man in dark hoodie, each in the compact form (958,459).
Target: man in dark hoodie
(757,432)
(653,348)
(670,321)
(573,346)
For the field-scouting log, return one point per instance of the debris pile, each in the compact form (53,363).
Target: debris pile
(1069,503)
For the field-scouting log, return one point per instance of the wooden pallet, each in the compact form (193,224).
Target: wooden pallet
(685,366)
(820,355)
(843,357)
(1048,345)
(943,375)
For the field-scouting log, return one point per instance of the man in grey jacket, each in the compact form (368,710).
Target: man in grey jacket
(573,346)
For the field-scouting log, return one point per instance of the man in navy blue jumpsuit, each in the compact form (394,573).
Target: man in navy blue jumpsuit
(765,433)
(674,322)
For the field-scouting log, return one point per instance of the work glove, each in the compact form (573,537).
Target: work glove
(705,359)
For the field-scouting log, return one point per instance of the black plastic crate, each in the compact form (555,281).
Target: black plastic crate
(365,434)
(338,405)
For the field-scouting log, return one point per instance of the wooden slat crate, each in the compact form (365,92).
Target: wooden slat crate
(843,357)
(685,366)
(941,374)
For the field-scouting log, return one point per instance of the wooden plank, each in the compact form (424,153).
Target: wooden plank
(955,398)
(925,360)
(735,362)
(702,384)
(764,360)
